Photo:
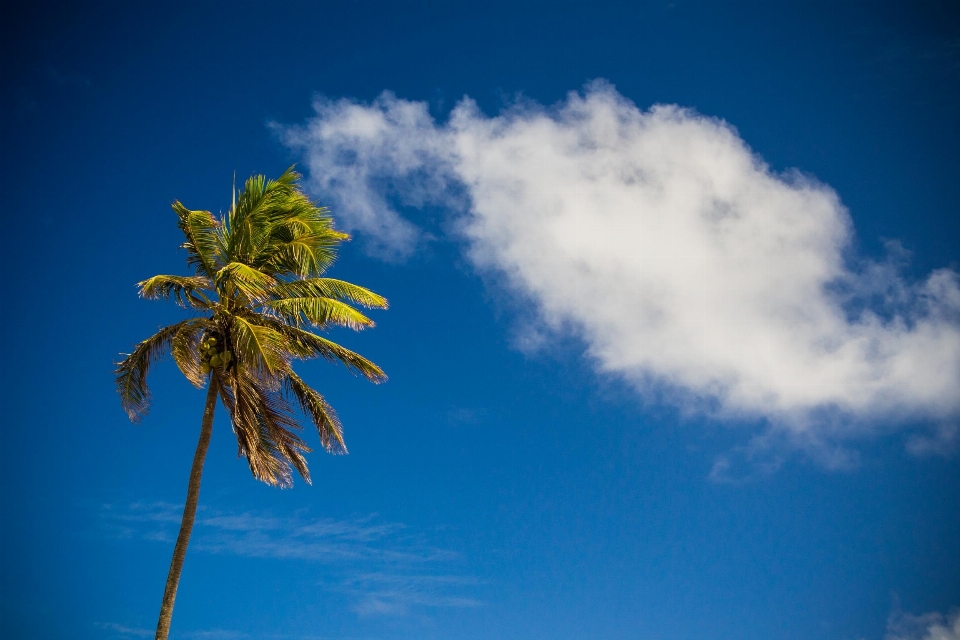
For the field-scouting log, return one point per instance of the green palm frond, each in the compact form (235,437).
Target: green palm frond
(132,371)
(305,345)
(261,347)
(306,254)
(278,229)
(333,352)
(253,284)
(204,244)
(320,312)
(329,288)
(187,291)
(262,206)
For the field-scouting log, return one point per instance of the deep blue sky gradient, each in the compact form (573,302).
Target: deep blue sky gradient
(566,507)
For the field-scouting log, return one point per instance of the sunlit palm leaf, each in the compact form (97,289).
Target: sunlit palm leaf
(253,284)
(261,347)
(306,255)
(262,206)
(329,288)
(203,243)
(335,353)
(305,345)
(320,312)
(187,291)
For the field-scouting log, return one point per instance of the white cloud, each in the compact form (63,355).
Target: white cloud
(929,626)
(686,265)
(362,157)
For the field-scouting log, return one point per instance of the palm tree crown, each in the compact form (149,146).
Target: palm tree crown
(258,290)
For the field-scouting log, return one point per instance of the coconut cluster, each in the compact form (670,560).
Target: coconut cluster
(211,356)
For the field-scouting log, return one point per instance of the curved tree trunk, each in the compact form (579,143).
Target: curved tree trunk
(189,513)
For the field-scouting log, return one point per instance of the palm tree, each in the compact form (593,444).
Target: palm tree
(257,291)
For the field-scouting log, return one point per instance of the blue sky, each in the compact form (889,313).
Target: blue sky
(656,372)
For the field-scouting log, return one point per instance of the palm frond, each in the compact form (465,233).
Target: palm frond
(258,346)
(278,425)
(321,413)
(203,245)
(305,255)
(305,345)
(187,291)
(320,312)
(240,400)
(132,371)
(264,426)
(260,207)
(254,285)
(276,228)
(186,353)
(333,352)
(329,288)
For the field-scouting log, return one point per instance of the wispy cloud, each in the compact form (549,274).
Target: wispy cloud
(263,535)
(125,631)
(929,626)
(942,441)
(148,520)
(387,566)
(465,416)
(686,265)
(121,632)
(386,594)
(215,634)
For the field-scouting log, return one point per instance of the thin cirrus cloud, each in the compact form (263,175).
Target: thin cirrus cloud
(125,631)
(391,594)
(387,569)
(686,265)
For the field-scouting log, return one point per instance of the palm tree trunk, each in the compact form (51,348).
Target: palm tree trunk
(189,513)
